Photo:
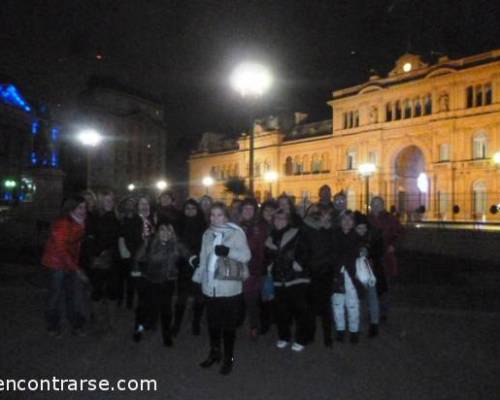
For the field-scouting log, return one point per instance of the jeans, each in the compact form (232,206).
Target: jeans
(64,288)
(350,301)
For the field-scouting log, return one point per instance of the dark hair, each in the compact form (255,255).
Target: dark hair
(70,203)
(269,203)
(291,203)
(221,206)
(280,213)
(249,201)
(167,193)
(194,203)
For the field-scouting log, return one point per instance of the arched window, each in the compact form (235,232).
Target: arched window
(480,146)
(398,110)
(315,164)
(418,107)
(407,109)
(428,105)
(306,164)
(388,112)
(297,165)
(289,166)
(479,199)
(479,95)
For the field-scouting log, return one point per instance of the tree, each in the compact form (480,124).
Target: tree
(236,186)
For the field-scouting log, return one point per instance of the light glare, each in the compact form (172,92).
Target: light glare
(89,137)
(251,79)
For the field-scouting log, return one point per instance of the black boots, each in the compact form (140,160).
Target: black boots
(227,366)
(178,317)
(213,357)
(354,337)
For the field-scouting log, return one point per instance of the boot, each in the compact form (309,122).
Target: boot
(213,357)
(373,331)
(229,338)
(340,336)
(354,338)
(178,316)
(227,366)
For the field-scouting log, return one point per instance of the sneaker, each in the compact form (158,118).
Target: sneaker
(281,344)
(297,347)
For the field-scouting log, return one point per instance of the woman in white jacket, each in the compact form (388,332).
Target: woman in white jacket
(223,297)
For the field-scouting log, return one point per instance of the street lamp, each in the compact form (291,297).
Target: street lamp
(89,138)
(131,187)
(251,80)
(366,170)
(271,177)
(161,185)
(496,158)
(207,182)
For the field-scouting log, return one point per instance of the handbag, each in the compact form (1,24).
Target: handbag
(227,269)
(103,261)
(364,272)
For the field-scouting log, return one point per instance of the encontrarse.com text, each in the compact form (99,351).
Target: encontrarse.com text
(77,385)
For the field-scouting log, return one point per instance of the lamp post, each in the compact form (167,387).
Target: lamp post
(271,177)
(496,159)
(207,182)
(251,80)
(89,138)
(131,187)
(366,170)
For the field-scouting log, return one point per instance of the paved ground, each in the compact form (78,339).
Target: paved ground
(439,349)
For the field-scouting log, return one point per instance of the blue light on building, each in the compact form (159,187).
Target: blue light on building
(33,158)
(10,95)
(54,161)
(35,126)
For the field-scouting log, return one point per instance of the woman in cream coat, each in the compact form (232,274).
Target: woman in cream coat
(223,297)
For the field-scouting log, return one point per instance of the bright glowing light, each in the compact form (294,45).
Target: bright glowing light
(131,187)
(90,137)
(423,183)
(271,176)
(10,184)
(207,181)
(161,185)
(251,79)
(496,158)
(367,169)
(407,67)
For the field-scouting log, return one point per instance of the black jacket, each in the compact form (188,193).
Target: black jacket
(285,256)
(348,246)
(323,250)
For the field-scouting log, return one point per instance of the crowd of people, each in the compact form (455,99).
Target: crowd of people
(245,265)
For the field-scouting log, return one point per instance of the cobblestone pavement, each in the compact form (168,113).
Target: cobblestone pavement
(428,353)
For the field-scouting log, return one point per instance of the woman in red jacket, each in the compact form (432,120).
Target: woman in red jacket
(61,258)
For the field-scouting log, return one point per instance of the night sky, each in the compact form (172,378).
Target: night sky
(181,52)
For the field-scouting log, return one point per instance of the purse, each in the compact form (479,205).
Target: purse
(364,272)
(227,269)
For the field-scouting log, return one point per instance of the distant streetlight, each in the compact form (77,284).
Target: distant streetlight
(89,138)
(366,170)
(161,185)
(496,158)
(207,182)
(251,80)
(131,187)
(271,177)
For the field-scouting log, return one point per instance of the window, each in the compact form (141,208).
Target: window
(324,164)
(372,157)
(479,147)
(428,105)
(488,94)
(298,166)
(470,97)
(345,120)
(479,199)
(388,112)
(315,164)
(356,118)
(407,109)
(444,152)
(398,111)
(351,159)
(289,166)
(418,107)
(479,95)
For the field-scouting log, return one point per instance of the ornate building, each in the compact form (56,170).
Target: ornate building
(431,130)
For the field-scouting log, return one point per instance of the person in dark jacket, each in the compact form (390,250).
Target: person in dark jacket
(371,245)
(317,234)
(267,210)
(193,225)
(61,257)
(156,264)
(284,258)
(286,204)
(167,212)
(346,287)
(257,232)
(131,230)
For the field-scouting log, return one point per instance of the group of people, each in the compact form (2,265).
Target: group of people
(265,264)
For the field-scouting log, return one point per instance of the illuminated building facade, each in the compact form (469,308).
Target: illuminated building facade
(431,129)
